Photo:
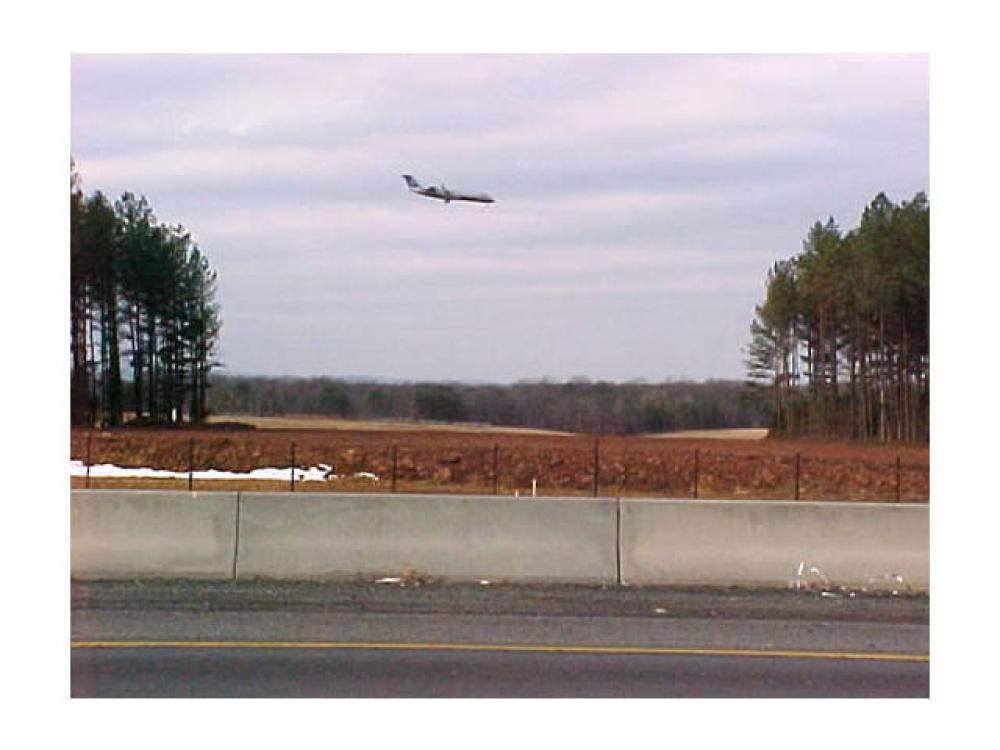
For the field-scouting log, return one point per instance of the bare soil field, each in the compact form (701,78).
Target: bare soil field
(461,461)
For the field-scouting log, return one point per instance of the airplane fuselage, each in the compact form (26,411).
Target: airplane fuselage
(444,194)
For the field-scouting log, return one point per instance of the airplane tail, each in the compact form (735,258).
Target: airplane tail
(410,182)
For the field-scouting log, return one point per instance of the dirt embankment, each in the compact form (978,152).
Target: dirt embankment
(440,460)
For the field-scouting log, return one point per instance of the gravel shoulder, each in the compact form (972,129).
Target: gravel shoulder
(430,597)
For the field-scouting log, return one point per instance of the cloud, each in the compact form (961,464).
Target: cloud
(345,109)
(618,177)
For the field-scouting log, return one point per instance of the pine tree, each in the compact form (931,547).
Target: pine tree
(151,283)
(852,306)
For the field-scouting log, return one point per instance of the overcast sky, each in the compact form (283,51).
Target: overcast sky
(640,199)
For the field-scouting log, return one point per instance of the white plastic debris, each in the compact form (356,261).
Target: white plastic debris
(485,583)
(660,611)
(810,577)
(389,580)
(894,578)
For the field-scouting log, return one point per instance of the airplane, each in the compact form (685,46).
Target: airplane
(443,193)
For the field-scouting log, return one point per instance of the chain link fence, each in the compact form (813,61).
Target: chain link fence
(600,467)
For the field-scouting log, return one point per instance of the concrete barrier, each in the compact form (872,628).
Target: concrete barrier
(311,535)
(757,543)
(149,534)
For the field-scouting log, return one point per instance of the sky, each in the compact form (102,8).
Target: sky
(49,87)
(640,199)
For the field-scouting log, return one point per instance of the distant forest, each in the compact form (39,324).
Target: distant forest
(841,343)
(574,406)
(142,292)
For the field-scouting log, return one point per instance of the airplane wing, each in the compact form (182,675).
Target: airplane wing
(434,192)
(472,197)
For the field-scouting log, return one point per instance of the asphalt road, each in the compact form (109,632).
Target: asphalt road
(362,639)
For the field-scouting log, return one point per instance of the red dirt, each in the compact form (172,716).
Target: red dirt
(444,461)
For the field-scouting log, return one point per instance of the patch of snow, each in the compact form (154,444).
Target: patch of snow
(312,474)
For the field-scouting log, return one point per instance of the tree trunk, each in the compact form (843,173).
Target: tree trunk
(114,363)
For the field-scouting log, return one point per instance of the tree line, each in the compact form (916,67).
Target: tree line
(841,343)
(575,406)
(144,324)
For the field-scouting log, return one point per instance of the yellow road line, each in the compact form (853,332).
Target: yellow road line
(508,648)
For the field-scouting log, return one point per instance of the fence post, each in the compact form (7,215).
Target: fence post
(191,466)
(496,467)
(89,436)
(696,451)
(597,466)
(899,483)
(292,464)
(395,450)
(798,471)
(666,480)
